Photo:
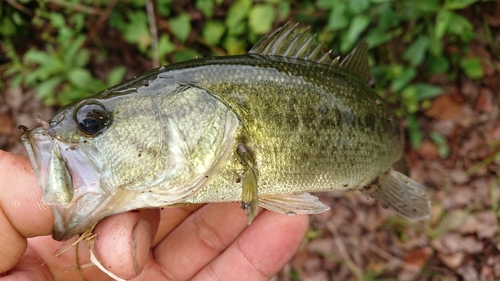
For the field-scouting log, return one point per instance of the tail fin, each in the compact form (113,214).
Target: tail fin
(403,195)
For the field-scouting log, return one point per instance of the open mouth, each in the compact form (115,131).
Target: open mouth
(69,180)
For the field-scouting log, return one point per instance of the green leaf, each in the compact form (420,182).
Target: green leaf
(337,18)
(81,58)
(387,18)
(165,47)
(462,27)
(78,21)
(236,15)
(437,65)
(57,19)
(8,28)
(16,81)
(427,91)
(325,4)
(70,53)
(213,31)
(357,25)
(442,21)
(181,27)
(80,78)
(441,143)
(414,131)
(234,46)
(403,79)
(163,7)
(284,9)
(415,53)
(116,75)
(458,4)
(186,54)
(47,87)
(358,6)
(378,37)
(38,57)
(137,31)
(435,46)
(206,7)
(427,6)
(472,67)
(261,18)
(70,94)
(116,20)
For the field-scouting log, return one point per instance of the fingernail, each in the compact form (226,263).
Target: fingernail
(141,243)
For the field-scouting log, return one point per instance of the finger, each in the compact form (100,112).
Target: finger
(22,214)
(123,241)
(40,261)
(21,197)
(199,239)
(171,218)
(261,250)
(29,267)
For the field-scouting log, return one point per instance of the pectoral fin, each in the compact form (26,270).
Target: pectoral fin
(249,197)
(403,195)
(250,200)
(292,204)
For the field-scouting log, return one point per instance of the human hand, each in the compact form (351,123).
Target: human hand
(199,242)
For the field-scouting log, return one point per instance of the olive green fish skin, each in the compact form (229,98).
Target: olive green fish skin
(312,127)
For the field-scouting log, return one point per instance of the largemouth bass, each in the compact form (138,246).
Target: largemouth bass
(265,129)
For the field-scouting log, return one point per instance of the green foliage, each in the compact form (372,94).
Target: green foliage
(181,27)
(59,71)
(408,41)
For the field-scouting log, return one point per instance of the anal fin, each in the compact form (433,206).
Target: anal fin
(403,195)
(292,204)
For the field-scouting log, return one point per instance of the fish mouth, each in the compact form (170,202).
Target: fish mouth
(69,179)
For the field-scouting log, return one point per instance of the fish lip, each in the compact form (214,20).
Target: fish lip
(74,216)
(37,143)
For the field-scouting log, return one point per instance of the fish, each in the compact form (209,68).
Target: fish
(266,129)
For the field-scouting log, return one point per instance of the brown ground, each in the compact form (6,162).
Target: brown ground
(360,240)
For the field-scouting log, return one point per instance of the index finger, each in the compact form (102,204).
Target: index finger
(20,199)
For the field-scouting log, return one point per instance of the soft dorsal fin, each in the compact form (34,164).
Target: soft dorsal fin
(288,41)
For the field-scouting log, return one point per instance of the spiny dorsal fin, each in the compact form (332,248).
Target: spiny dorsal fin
(357,61)
(288,41)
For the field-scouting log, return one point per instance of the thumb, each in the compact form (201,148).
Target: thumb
(22,213)
(123,241)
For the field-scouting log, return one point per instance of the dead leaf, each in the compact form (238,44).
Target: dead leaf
(488,224)
(485,100)
(452,261)
(470,225)
(459,176)
(444,108)
(428,150)
(418,257)
(494,134)
(5,124)
(486,273)
(468,272)
(471,245)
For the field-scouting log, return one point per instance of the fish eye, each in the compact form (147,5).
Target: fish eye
(92,118)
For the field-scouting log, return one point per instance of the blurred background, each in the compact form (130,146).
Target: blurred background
(436,62)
